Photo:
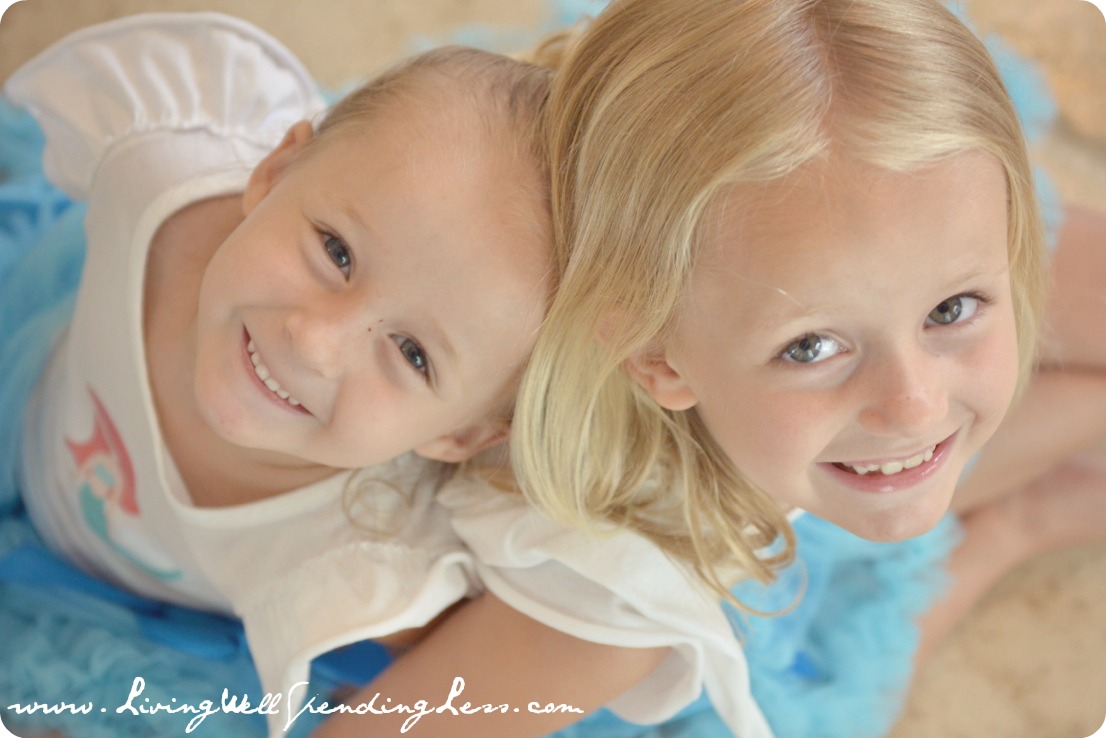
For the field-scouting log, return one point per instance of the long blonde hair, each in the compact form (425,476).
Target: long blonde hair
(658,107)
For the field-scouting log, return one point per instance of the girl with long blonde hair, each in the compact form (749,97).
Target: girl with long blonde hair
(802,268)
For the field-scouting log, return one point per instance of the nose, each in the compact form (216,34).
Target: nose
(323,334)
(906,394)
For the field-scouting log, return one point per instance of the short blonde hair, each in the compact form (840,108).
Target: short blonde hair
(659,108)
(510,94)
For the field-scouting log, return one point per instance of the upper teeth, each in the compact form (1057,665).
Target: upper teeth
(894,467)
(263,374)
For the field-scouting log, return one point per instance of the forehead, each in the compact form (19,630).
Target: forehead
(443,155)
(427,116)
(811,240)
(449,216)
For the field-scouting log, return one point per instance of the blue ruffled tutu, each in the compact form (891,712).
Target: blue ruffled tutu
(838,663)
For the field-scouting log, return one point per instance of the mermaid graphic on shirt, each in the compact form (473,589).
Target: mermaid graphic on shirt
(108,502)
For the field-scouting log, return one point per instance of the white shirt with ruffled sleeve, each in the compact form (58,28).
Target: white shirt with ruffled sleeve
(142,117)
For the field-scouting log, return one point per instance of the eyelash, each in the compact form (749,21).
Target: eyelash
(403,342)
(346,267)
(413,353)
(983,302)
(781,355)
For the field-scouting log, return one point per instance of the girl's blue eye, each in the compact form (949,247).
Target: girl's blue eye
(338,253)
(414,354)
(810,349)
(953,310)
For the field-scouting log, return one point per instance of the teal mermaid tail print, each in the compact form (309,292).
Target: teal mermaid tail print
(108,503)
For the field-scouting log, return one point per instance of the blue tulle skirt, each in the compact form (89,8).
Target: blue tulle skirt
(838,663)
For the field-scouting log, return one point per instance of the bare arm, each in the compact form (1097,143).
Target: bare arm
(504,658)
(1062,414)
(1077,303)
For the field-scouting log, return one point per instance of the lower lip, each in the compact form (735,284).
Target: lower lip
(298,409)
(878,482)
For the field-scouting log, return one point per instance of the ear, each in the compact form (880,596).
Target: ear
(660,379)
(269,170)
(456,447)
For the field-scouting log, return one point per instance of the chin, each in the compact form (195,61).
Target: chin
(223,418)
(894,526)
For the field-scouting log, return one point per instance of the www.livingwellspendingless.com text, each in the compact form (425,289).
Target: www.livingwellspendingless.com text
(270,704)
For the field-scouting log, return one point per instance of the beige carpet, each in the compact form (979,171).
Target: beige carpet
(1031,662)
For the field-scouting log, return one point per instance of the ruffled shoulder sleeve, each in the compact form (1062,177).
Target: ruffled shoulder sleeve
(113,82)
(619,590)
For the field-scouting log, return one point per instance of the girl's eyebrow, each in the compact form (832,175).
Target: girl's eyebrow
(1000,271)
(781,319)
(797,311)
(351,216)
(439,338)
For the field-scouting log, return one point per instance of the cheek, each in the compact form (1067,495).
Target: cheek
(992,372)
(223,280)
(768,433)
(765,429)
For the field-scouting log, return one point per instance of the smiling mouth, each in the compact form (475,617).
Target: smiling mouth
(890,468)
(267,379)
(893,475)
